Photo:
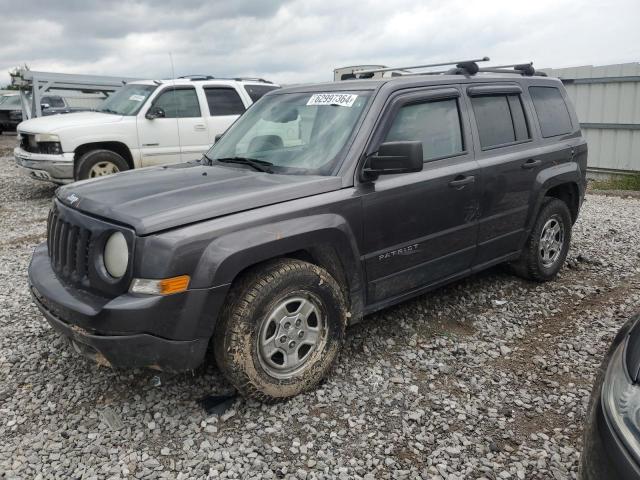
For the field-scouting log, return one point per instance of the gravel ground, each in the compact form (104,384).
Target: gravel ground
(487,378)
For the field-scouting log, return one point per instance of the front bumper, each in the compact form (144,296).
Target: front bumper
(52,168)
(168,333)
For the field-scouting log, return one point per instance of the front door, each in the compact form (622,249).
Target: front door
(420,228)
(179,126)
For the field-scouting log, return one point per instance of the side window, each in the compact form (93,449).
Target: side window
(179,103)
(500,120)
(551,110)
(53,102)
(257,91)
(223,101)
(436,124)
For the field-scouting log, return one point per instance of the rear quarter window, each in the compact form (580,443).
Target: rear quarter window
(551,110)
(256,92)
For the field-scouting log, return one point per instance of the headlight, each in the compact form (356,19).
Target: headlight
(47,137)
(116,255)
(621,400)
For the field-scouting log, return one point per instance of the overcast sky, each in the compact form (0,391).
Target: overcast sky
(298,41)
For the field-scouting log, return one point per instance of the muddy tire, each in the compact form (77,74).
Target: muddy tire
(99,163)
(548,244)
(280,330)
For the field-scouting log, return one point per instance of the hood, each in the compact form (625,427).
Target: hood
(160,198)
(54,123)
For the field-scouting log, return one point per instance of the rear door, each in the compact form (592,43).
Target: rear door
(509,164)
(180,135)
(225,106)
(420,228)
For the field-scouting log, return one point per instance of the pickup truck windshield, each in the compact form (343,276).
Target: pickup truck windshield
(128,100)
(298,133)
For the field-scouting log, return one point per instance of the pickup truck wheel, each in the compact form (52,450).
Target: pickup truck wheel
(281,330)
(98,163)
(548,244)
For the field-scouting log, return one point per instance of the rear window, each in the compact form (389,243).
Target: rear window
(500,120)
(257,91)
(223,101)
(551,111)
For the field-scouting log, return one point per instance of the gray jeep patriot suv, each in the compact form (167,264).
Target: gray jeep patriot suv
(321,204)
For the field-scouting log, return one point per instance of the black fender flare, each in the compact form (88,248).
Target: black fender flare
(229,254)
(564,173)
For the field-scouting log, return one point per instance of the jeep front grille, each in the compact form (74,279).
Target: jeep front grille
(68,246)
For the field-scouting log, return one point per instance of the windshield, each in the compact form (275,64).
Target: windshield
(303,133)
(128,100)
(11,101)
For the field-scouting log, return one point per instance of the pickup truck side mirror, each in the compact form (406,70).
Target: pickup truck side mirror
(393,158)
(155,112)
(217,137)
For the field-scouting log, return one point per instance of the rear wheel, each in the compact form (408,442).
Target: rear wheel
(99,163)
(281,330)
(548,244)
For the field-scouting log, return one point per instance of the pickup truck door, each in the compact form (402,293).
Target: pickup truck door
(421,228)
(509,160)
(224,106)
(182,129)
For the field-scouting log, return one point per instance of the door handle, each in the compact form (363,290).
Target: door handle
(199,126)
(531,163)
(462,180)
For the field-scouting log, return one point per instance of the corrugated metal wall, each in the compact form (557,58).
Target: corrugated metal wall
(607,101)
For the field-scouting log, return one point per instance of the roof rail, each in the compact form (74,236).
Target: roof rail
(428,65)
(251,79)
(464,67)
(197,78)
(524,69)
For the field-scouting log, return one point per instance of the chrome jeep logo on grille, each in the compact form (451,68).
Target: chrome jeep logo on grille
(73,198)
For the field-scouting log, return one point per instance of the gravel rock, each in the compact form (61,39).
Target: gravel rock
(450,385)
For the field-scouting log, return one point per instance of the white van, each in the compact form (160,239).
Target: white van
(144,123)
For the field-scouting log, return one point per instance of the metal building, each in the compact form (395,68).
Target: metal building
(607,101)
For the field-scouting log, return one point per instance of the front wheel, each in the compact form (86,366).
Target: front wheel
(548,244)
(99,163)
(281,330)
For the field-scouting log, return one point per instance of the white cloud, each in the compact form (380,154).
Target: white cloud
(301,41)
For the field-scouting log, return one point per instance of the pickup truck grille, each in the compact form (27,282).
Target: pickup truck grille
(28,143)
(68,246)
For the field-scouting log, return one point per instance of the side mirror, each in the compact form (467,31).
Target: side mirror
(44,106)
(217,137)
(155,112)
(394,157)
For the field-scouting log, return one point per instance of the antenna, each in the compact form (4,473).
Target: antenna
(175,100)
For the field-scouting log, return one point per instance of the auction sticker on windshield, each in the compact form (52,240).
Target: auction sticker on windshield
(137,98)
(338,99)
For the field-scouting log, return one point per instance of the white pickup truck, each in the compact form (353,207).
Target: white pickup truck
(144,123)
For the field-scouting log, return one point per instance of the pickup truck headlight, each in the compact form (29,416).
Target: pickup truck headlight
(621,401)
(47,137)
(48,143)
(116,255)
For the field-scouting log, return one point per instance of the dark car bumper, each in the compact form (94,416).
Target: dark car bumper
(604,456)
(167,333)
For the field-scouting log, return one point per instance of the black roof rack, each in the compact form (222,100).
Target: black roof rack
(199,78)
(464,67)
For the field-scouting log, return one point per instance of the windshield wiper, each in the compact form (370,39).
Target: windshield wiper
(259,165)
(108,110)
